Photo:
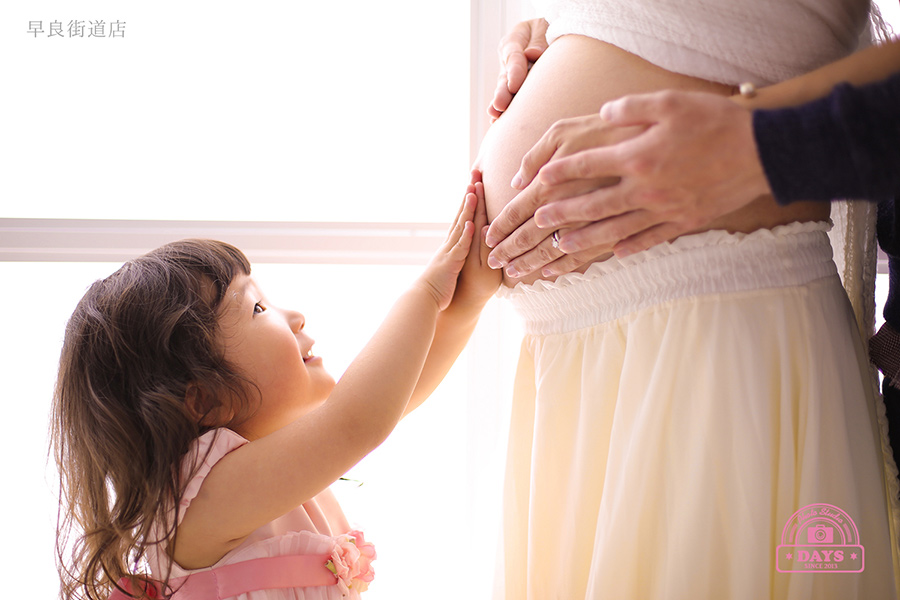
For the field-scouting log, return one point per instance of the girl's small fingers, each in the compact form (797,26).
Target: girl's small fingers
(466,212)
(480,215)
(461,248)
(482,227)
(479,190)
(469,231)
(460,233)
(470,207)
(456,217)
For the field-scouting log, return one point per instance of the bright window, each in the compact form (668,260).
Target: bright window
(295,111)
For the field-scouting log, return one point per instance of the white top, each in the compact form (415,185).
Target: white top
(729,41)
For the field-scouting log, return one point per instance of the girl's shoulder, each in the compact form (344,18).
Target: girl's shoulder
(204,453)
(220,440)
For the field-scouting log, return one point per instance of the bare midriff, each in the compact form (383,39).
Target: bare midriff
(574,77)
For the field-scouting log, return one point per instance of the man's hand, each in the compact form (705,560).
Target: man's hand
(518,50)
(695,161)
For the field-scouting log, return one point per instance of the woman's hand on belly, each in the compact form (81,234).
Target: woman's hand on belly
(520,244)
(540,251)
(518,50)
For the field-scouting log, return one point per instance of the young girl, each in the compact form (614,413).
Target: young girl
(197,432)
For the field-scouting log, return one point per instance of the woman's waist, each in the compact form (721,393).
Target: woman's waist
(713,262)
(762,214)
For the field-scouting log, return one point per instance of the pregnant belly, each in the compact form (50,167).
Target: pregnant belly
(574,77)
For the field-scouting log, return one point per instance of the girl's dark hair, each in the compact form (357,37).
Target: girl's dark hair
(137,341)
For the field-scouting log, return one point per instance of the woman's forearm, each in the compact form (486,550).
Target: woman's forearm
(866,66)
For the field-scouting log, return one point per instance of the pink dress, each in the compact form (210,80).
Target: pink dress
(310,553)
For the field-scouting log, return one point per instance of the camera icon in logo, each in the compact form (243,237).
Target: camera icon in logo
(820,534)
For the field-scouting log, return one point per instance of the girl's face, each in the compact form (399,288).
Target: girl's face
(268,345)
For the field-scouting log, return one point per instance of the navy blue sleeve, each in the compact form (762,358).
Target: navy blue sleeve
(845,145)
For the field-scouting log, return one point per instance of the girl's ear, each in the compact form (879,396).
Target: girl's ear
(204,409)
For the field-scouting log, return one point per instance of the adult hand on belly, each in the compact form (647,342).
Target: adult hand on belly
(520,243)
(555,91)
(693,161)
(518,50)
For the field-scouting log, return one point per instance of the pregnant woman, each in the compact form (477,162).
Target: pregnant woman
(686,417)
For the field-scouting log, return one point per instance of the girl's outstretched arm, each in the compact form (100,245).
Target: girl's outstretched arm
(477,284)
(266,478)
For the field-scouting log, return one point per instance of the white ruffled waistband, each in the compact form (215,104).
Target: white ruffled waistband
(712,262)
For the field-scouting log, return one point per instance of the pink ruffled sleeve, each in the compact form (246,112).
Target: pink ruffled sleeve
(205,452)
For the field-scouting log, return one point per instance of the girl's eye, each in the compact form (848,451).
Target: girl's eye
(258,308)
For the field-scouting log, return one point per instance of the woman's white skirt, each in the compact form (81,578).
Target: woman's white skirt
(673,411)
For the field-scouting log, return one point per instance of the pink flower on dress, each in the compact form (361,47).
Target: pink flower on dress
(366,556)
(351,562)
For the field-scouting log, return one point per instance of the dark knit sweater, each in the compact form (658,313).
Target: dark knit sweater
(845,145)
